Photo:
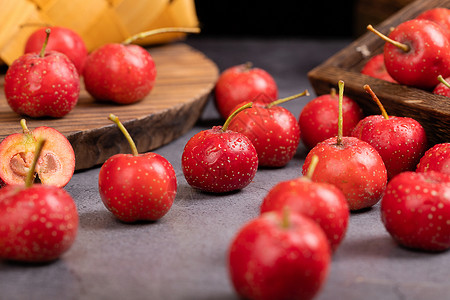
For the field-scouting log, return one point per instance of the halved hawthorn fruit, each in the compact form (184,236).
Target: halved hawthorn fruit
(55,166)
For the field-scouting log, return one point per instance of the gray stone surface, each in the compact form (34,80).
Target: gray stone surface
(183,255)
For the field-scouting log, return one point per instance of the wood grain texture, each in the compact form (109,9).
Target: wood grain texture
(185,78)
(432,111)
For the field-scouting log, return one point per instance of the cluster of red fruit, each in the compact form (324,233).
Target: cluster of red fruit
(416,53)
(39,222)
(45,81)
(352,164)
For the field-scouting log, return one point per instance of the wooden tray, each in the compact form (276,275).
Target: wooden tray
(432,111)
(184,80)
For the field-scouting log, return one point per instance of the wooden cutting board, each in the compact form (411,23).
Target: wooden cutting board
(185,78)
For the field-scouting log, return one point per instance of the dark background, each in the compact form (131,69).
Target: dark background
(293,18)
(275,18)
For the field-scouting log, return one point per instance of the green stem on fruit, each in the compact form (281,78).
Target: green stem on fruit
(279,101)
(312,166)
(443,81)
(47,31)
(125,132)
(145,34)
(285,219)
(234,113)
(31,172)
(23,123)
(399,45)
(340,118)
(377,101)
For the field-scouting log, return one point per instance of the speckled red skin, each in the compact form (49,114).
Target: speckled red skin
(123,74)
(355,167)
(273,131)
(442,89)
(137,188)
(437,158)
(37,224)
(400,141)
(322,202)
(375,67)
(428,57)
(416,210)
(318,120)
(268,261)
(55,166)
(240,84)
(439,15)
(61,39)
(217,161)
(46,86)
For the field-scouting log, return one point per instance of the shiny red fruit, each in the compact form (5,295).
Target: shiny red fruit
(274,132)
(219,161)
(322,202)
(279,257)
(137,187)
(439,15)
(62,40)
(119,73)
(428,55)
(376,68)
(318,120)
(46,86)
(442,89)
(416,210)
(400,141)
(354,166)
(437,158)
(37,224)
(240,84)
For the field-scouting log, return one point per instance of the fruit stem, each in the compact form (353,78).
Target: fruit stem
(285,220)
(247,66)
(31,172)
(145,34)
(340,118)
(443,81)
(47,31)
(23,123)
(399,45)
(125,132)
(333,92)
(312,166)
(282,100)
(234,113)
(377,101)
